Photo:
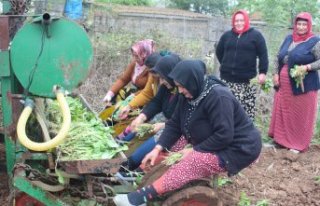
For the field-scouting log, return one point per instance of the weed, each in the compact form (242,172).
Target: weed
(262,203)
(223,181)
(244,200)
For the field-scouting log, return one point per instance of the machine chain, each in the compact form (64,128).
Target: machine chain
(101,196)
(36,174)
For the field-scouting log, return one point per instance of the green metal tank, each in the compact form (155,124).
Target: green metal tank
(48,52)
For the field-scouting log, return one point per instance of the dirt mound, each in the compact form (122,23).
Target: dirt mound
(280,177)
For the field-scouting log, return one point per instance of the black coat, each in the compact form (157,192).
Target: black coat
(219,125)
(165,101)
(216,123)
(238,55)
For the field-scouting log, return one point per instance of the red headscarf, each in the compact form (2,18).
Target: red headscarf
(299,38)
(246,22)
(143,49)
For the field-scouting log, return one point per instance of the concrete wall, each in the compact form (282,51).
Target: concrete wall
(176,23)
(185,26)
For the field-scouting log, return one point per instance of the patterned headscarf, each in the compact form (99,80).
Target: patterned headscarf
(143,49)
(307,17)
(246,22)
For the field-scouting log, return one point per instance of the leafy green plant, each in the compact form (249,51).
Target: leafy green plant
(298,73)
(88,138)
(172,158)
(223,181)
(262,203)
(317,179)
(266,87)
(144,129)
(244,200)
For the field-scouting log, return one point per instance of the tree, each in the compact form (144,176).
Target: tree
(128,2)
(280,13)
(212,7)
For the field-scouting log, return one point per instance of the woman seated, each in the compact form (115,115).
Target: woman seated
(222,136)
(159,109)
(136,73)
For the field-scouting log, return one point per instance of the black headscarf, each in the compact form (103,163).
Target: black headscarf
(190,74)
(152,60)
(165,65)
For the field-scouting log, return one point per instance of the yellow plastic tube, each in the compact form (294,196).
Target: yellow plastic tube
(44,146)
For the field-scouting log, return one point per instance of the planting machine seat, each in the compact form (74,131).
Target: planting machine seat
(196,193)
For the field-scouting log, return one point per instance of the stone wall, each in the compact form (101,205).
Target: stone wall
(185,25)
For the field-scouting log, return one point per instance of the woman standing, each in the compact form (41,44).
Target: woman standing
(295,108)
(237,52)
(223,137)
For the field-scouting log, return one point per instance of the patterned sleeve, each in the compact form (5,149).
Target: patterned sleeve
(275,65)
(316,52)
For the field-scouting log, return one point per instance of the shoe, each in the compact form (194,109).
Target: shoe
(294,151)
(122,200)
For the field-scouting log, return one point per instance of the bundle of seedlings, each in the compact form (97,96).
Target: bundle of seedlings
(144,129)
(119,106)
(266,87)
(298,74)
(174,157)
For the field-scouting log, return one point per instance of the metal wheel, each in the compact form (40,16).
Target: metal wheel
(194,196)
(25,200)
(152,175)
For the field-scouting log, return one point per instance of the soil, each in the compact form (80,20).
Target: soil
(279,177)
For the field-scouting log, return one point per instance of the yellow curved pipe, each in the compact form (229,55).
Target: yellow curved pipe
(44,146)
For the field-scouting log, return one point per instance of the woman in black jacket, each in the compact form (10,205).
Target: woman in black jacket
(222,136)
(158,110)
(237,52)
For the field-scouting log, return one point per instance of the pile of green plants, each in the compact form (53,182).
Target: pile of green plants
(88,137)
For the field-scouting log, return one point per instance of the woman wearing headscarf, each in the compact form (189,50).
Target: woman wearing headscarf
(295,106)
(222,136)
(237,52)
(156,112)
(137,73)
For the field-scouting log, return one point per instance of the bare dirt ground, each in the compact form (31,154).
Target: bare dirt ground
(280,177)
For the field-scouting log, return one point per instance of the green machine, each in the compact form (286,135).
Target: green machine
(50,52)
(46,57)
